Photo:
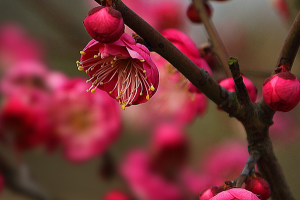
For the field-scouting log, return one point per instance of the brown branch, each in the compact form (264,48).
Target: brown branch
(217,44)
(290,46)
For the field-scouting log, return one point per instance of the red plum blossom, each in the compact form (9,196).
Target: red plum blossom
(260,187)
(124,69)
(116,195)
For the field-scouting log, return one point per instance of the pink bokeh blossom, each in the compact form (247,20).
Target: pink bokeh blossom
(86,124)
(146,184)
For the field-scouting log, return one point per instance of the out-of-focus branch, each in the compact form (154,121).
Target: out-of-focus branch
(291,45)
(18,179)
(217,44)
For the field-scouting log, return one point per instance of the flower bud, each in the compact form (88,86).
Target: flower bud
(192,13)
(104,24)
(260,187)
(281,91)
(116,195)
(208,193)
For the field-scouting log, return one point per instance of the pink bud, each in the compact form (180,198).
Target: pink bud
(193,15)
(116,195)
(260,187)
(208,193)
(235,194)
(281,91)
(104,24)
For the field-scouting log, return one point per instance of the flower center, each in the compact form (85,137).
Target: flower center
(126,76)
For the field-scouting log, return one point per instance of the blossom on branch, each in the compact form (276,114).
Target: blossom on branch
(123,69)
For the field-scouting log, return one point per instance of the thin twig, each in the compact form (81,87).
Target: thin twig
(217,44)
(250,165)
(290,46)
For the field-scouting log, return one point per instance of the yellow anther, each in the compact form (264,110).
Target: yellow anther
(118,97)
(119,102)
(121,92)
(77,62)
(99,54)
(86,71)
(115,58)
(110,92)
(142,60)
(95,56)
(87,90)
(152,88)
(80,68)
(111,62)
(136,75)
(145,77)
(106,63)
(147,97)
(144,71)
(124,71)
(93,90)
(87,81)
(141,94)
(112,65)
(92,68)
(101,83)
(82,53)
(123,106)
(130,103)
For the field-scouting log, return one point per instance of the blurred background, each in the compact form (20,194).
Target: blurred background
(252,30)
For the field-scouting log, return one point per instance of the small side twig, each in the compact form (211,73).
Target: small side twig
(240,88)
(250,165)
(290,46)
(217,44)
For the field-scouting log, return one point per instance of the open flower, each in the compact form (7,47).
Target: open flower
(123,69)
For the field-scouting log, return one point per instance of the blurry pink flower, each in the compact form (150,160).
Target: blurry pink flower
(260,187)
(168,147)
(104,24)
(56,80)
(281,92)
(235,194)
(188,47)
(282,9)
(285,129)
(123,69)
(167,14)
(16,46)
(26,125)
(86,124)
(116,195)
(195,182)
(146,184)
(225,161)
